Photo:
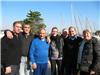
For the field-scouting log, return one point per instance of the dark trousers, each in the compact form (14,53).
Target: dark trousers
(84,73)
(14,70)
(41,69)
(55,70)
(63,72)
(68,69)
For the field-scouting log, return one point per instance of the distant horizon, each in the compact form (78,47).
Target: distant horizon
(60,14)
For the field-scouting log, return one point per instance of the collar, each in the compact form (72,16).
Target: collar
(73,37)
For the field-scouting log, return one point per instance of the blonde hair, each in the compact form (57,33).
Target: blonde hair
(87,30)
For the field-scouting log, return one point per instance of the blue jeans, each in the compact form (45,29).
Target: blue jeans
(41,69)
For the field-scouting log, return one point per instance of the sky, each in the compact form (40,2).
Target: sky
(62,14)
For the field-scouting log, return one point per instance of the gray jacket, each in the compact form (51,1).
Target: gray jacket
(56,48)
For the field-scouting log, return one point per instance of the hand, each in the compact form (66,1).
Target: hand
(92,72)
(48,39)
(8,70)
(9,35)
(49,63)
(34,66)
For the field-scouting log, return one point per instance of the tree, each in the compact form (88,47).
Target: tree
(35,21)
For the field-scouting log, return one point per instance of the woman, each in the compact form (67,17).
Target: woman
(89,54)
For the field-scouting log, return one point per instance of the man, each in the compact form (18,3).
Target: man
(3,53)
(70,52)
(89,55)
(27,38)
(39,53)
(55,51)
(11,50)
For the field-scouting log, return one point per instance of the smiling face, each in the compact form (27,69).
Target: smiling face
(87,34)
(54,31)
(72,31)
(42,33)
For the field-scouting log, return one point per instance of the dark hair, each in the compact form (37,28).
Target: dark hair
(25,24)
(72,27)
(16,23)
(54,28)
(5,32)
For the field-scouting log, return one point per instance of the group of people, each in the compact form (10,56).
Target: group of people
(23,53)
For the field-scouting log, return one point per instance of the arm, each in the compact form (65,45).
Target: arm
(5,54)
(61,47)
(48,39)
(96,55)
(31,54)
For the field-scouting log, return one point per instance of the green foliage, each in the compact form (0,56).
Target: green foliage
(35,21)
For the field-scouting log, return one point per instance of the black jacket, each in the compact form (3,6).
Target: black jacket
(70,50)
(91,56)
(10,50)
(26,41)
